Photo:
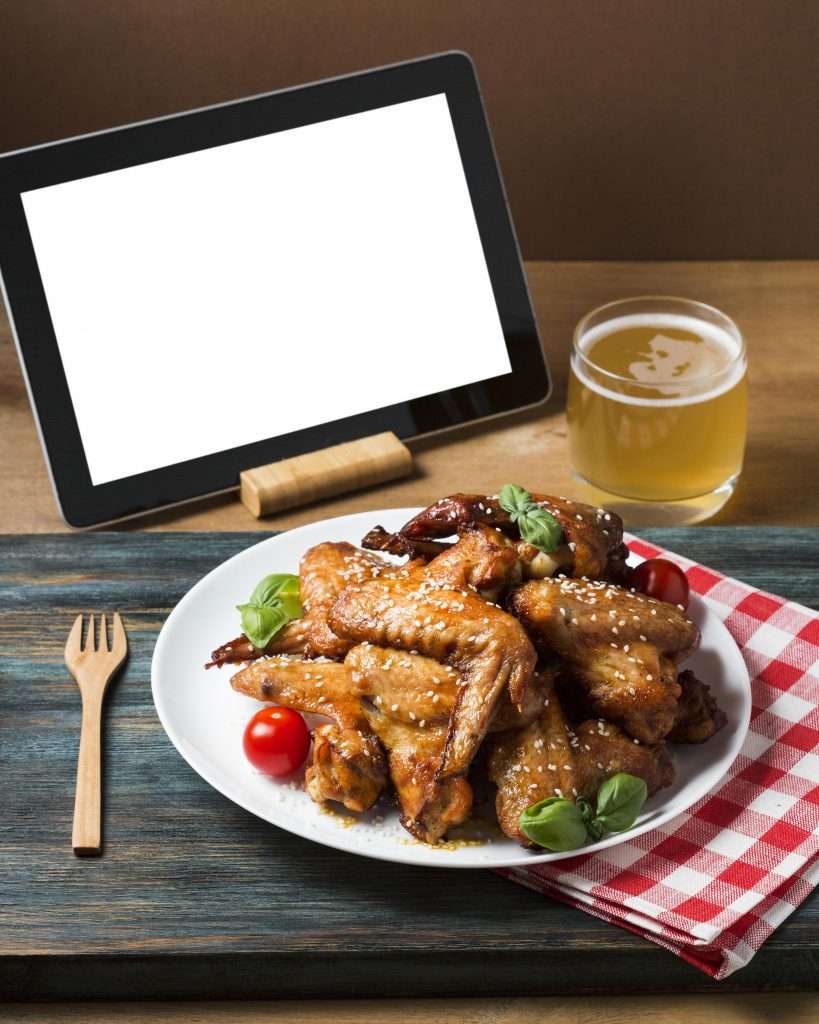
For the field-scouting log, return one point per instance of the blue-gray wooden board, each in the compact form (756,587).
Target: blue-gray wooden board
(194,897)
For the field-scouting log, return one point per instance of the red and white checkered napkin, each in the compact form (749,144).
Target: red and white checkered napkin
(715,882)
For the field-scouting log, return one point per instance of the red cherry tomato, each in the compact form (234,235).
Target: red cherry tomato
(276,741)
(662,579)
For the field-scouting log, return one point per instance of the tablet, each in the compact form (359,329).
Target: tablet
(218,289)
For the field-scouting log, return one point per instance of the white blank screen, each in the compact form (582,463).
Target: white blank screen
(219,298)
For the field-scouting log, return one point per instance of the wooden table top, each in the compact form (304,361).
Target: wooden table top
(198,898)
(776,305)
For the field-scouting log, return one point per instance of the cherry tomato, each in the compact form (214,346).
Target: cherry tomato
(276,741)
(662,579)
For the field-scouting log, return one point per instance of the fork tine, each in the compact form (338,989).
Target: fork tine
(73,644)
(89,639)
(119,641)
(103,645)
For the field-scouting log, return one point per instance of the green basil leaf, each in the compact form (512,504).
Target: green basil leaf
(283,587)
(596,829)
(539,527)
(260,622)
(554,823)
(515,500)
(586,809)
(536,525)
(619,801)
(274,602)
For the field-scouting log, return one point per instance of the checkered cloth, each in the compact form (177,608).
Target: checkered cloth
(715,882)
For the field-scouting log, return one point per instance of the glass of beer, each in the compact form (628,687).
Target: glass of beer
(657,409)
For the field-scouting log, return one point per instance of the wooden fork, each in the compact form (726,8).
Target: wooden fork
(93,668)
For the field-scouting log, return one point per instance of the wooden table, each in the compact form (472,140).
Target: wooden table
(777,306)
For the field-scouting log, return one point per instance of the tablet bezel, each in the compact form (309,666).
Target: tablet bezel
(81,503)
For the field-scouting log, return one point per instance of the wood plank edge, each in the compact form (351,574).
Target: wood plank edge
(649,970)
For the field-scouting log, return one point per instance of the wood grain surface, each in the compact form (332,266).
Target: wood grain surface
(775,304)
(779,1008)
(195,898)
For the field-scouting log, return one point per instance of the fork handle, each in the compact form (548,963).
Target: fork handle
(86,837)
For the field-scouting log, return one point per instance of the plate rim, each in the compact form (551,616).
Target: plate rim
(524,858)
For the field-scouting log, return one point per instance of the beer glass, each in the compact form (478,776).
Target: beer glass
(657,408)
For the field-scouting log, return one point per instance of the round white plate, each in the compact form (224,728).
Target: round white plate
(205,718)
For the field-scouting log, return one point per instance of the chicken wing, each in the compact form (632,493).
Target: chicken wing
(698,715)
(603,750)
(291,640)
(488,648)
(379,539)
(347,763)
(325,571)
(593,538)
(550,758)
(530,764)
(419,691)
(428,806)
(622,648)
(411,699)
(482,560)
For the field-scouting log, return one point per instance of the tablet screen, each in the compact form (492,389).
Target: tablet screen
(206,301)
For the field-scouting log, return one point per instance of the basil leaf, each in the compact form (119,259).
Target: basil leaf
(619,801)
(275,601)
(595,829)
(540,528)
(515,500)
(536,525)
(586,809)
(554,823)
(260,622)
(281,586)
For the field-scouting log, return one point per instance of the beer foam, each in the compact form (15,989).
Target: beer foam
(714,372)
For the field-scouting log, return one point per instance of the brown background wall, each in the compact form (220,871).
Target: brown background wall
(625,128)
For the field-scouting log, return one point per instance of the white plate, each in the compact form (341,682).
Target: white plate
(205,718)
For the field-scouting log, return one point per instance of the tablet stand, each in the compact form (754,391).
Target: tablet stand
(322,474)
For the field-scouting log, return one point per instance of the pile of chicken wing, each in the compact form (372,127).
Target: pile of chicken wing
(480,657)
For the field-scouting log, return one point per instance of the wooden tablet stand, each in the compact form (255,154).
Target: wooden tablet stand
(322,474)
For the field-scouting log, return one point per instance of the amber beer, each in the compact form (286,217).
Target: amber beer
(657,405)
